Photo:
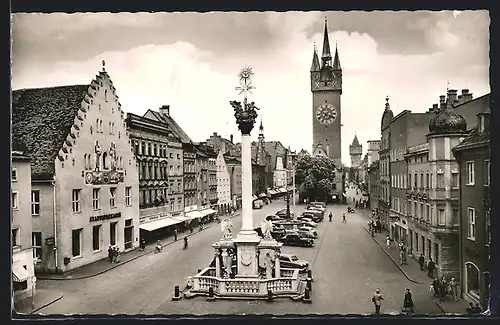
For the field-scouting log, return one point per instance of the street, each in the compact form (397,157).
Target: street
(347,267)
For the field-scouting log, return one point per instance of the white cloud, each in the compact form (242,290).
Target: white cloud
(198,93)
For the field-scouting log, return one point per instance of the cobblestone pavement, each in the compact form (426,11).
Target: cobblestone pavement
(347,265)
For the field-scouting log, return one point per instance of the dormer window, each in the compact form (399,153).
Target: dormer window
(482,124)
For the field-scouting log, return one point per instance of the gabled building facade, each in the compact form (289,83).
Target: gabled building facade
(83,171)
(223,184)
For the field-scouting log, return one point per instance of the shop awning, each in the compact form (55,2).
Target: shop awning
(182,218)
(194,214)
(19,273)
(157,224)
(206,212)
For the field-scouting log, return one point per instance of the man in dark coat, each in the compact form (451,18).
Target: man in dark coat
(111,252)
(430,268)
(421,261)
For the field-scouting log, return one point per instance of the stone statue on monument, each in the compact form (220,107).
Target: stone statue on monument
(226,228)
(266,227)
(112,155)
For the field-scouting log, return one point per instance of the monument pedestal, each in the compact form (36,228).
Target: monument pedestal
(246,250)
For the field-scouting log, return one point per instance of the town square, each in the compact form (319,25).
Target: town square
(186,171)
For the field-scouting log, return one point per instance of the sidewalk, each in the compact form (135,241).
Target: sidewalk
(43,298)
(453,307)
(102,266)
(412,272)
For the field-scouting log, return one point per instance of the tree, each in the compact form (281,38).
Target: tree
(316,176)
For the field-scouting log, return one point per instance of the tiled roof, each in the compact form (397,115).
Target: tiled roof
(41,121)
(473,140)
(178,131)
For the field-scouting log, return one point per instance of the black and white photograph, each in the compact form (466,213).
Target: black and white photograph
(251,163)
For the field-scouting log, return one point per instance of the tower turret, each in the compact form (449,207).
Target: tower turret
(355,151)
(326,56)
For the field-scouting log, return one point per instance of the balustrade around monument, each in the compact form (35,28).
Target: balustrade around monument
(286,283)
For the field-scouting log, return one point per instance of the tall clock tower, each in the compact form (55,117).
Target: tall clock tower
(326,87)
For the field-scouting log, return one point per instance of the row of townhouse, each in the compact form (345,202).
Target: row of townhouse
(430,186)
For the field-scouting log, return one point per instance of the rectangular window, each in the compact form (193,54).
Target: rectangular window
(172,202)
(429,247)
(112,197)
(112,233)
(487,236)
(128,196)
(454,180)
(15,201)
(422,211)
(455,216)
(469,166)
(15,237)
(415,180)
(14,175)
(76,242)
(441,217)
(422,185)
(96,238)
(179,203)
(427,181)
(471,230)
(95,198)
(36,242)
(486,173)
(75,200)
(428,212)
(35,202)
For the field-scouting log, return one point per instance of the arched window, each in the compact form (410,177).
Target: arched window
(104,160)
(472,279)
(100,126)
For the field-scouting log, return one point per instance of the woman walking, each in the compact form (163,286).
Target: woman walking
(408,302)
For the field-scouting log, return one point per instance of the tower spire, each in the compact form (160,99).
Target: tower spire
(336,60)
(315,61)
(326,44)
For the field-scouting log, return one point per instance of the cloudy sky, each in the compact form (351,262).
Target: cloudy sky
(191,60)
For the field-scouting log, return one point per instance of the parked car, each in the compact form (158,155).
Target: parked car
(296,240)
(317,203)
(282,213)
(290,261)
(317,208)
(308,232)
(308,222)
(314,215)
(274,218)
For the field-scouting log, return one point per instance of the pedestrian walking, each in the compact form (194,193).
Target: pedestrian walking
(343,218)
(388,242)
(143,244)
(454,289)
(190,229)
(400,249)
(477,309)
(470,309)
(117,255)
(110,254)
(435,287)
(330,216)
(405,248)
(175,234)
(185,243)
(158,246)
(430,268)
(421,261)
(408,301)
(443,288)
(377,301)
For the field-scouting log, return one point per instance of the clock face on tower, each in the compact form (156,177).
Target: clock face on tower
(326,114)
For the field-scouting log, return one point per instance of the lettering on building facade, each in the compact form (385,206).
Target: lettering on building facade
(106,217)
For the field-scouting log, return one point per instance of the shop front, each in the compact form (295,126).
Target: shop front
(156,223)
(399,228)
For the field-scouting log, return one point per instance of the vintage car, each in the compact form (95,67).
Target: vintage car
(308,232)
(274,218)
(282,213)
(294,239)
(290,261)
(314,215)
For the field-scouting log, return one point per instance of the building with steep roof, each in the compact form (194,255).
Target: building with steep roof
(223,184)
(355,151)
(84,174)
(26,244)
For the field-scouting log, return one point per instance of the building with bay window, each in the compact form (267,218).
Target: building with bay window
(473,156)
(83,172)
(26,244)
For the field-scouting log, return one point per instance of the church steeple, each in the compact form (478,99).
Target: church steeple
(326,56)
(315,62)
(336,60)
(261,131)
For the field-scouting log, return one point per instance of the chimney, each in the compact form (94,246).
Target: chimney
(231,138)
(215,134)
(466,96)
(165,110)
(452,96)
(483,122)
(435,107)
(442,101)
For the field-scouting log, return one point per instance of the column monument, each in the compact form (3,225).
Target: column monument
(247,239)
